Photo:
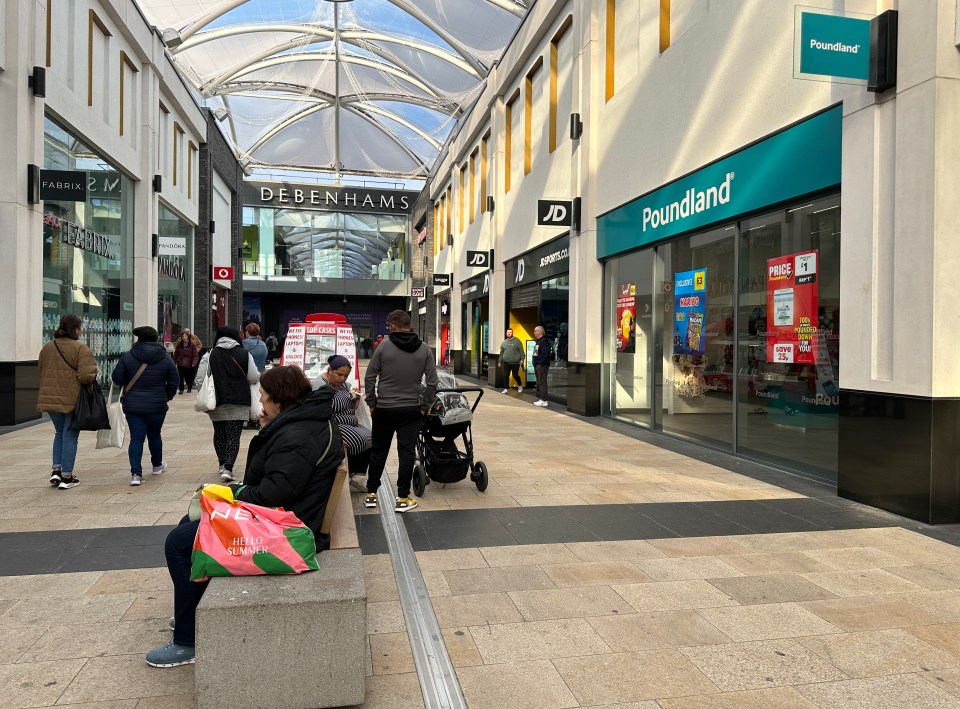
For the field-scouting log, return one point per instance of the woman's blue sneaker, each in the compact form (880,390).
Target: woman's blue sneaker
(172,655)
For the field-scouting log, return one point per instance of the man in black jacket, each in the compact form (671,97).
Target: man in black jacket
(541,364)
(392,383)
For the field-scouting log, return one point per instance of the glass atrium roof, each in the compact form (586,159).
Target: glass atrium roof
(353,87)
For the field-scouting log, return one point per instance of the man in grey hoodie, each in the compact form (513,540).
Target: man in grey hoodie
(392,383)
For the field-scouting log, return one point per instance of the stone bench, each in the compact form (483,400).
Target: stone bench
(297,642)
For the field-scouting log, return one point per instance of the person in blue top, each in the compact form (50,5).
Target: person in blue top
(149,379)
(541,364)
(259,352)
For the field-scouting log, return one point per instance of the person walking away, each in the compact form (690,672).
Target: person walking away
(200,352)
(273,345)
(291,463)
(541,364)
(186,357)
(233,372)
(258,350)
(149,379)
(392,382)
(64,365)
(511,355)
(358,439)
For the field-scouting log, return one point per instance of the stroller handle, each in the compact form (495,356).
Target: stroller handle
(463,390)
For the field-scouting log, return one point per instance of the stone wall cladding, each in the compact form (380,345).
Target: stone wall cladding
(421,271)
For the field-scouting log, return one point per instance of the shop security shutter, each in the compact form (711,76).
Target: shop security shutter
(525,297)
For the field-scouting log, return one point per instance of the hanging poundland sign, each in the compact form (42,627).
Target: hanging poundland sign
(287,195)
(833,45)
(551,259)
(792,163)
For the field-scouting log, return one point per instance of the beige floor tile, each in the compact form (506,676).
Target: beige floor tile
(945,605)
(119,704)
(630,677)
(596,573)
(381,587)
(787,562)
(655,631)
(448,559)
(948,680)
(867,582)
(125,677)
(896,692)
(687,568)
(385,617)
(476,609)
(16,641)
(177,701)
(62,642)
(36,684)
(495,580)
(119,520)
(922,554)
(879,652)
(461,648)
(521,685)
(756,665)
(48,585)
(542,640)
(944,636)
(436,583)
(767,622)
(577,602)
(547,500)
(939,577)
(874,536)
(391,654)
(779,697)
(626,550)
(393,692)
(151,604)
(528,555)
(380,564)
(699,546)
(780,588)
(650,704)
(854,558)
(780,542)
(673,595)
(131,581)
(869,613)
(85,609)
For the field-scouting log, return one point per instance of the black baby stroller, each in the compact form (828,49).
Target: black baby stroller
(438,457)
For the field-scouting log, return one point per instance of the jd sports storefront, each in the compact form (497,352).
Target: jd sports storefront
(722,301)
(475,321)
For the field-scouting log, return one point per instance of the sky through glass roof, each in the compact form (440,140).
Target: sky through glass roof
(367,88)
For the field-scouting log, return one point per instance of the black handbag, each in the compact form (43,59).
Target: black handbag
(90,411)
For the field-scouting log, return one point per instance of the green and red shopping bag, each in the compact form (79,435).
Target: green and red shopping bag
(241,539)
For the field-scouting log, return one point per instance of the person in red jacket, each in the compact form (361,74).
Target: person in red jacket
(187,358)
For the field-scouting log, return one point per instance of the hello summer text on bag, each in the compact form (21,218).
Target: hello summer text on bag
(241,539)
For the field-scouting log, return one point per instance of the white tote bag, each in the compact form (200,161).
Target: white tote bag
(206,394)
(113,437)
(255,406)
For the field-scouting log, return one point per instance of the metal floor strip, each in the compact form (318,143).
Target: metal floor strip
(438,679)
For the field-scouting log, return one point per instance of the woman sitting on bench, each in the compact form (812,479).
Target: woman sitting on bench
(291,463)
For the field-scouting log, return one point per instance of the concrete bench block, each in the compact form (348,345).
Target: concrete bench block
(297,642)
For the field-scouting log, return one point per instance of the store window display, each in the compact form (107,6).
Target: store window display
(87,250)
(174,288)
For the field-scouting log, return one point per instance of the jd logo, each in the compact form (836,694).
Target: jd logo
(478,259)
(520,271)
(553,212)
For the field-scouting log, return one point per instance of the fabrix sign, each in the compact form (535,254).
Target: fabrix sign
(834,45)
(88,240)
(287,195)
(63,185)
(547,261)
(792,163)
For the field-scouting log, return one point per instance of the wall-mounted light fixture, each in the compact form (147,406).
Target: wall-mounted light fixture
(158,183)
(213,226)
(449,239)
(33,184)
(156,245)
(576,126)
(490,203)
(38,81)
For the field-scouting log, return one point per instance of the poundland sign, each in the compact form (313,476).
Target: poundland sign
(831,45)
(794,162)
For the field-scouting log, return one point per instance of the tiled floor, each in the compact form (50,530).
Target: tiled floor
(596,571)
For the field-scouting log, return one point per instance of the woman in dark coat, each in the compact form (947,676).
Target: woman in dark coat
(150,380)
(187,359)
(291,464)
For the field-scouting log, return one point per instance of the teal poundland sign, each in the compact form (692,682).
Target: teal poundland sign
(834,46)
(795,162)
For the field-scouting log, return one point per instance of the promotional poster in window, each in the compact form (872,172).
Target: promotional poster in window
(690,294)
(792,308)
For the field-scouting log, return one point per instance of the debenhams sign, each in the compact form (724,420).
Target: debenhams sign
(286,195)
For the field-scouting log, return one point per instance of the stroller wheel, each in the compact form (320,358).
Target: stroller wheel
(419,479)
(480,476)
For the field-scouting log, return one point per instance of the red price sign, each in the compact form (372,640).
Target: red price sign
(222,273)
(783,353)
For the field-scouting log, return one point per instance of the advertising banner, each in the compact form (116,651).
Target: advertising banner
(626,317)
(690,312)
(792,308)
(308,345)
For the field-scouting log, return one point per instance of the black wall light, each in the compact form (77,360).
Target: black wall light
(33,184)
(213,226)
(449,239)
(575,215)
(156,245)
(158,183)
(38,81)
(883,52)
(576,126)
(490,203)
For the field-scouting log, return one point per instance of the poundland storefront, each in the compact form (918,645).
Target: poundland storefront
(722,301)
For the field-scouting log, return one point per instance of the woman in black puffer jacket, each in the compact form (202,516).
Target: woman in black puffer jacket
(146,396)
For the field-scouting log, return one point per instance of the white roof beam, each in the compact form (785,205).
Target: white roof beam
(298,92)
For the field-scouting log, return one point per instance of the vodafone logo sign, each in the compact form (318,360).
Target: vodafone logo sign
(222,273)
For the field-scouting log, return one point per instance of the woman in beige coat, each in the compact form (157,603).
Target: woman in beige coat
(65,364)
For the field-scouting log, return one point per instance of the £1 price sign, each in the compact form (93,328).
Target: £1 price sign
(792,321)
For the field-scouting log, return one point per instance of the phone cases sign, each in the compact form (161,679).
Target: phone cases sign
(792,308)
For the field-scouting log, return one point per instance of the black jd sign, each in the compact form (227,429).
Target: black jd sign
(478,259)
(554,212)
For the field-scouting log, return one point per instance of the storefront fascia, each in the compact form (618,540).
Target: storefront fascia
(704,365)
